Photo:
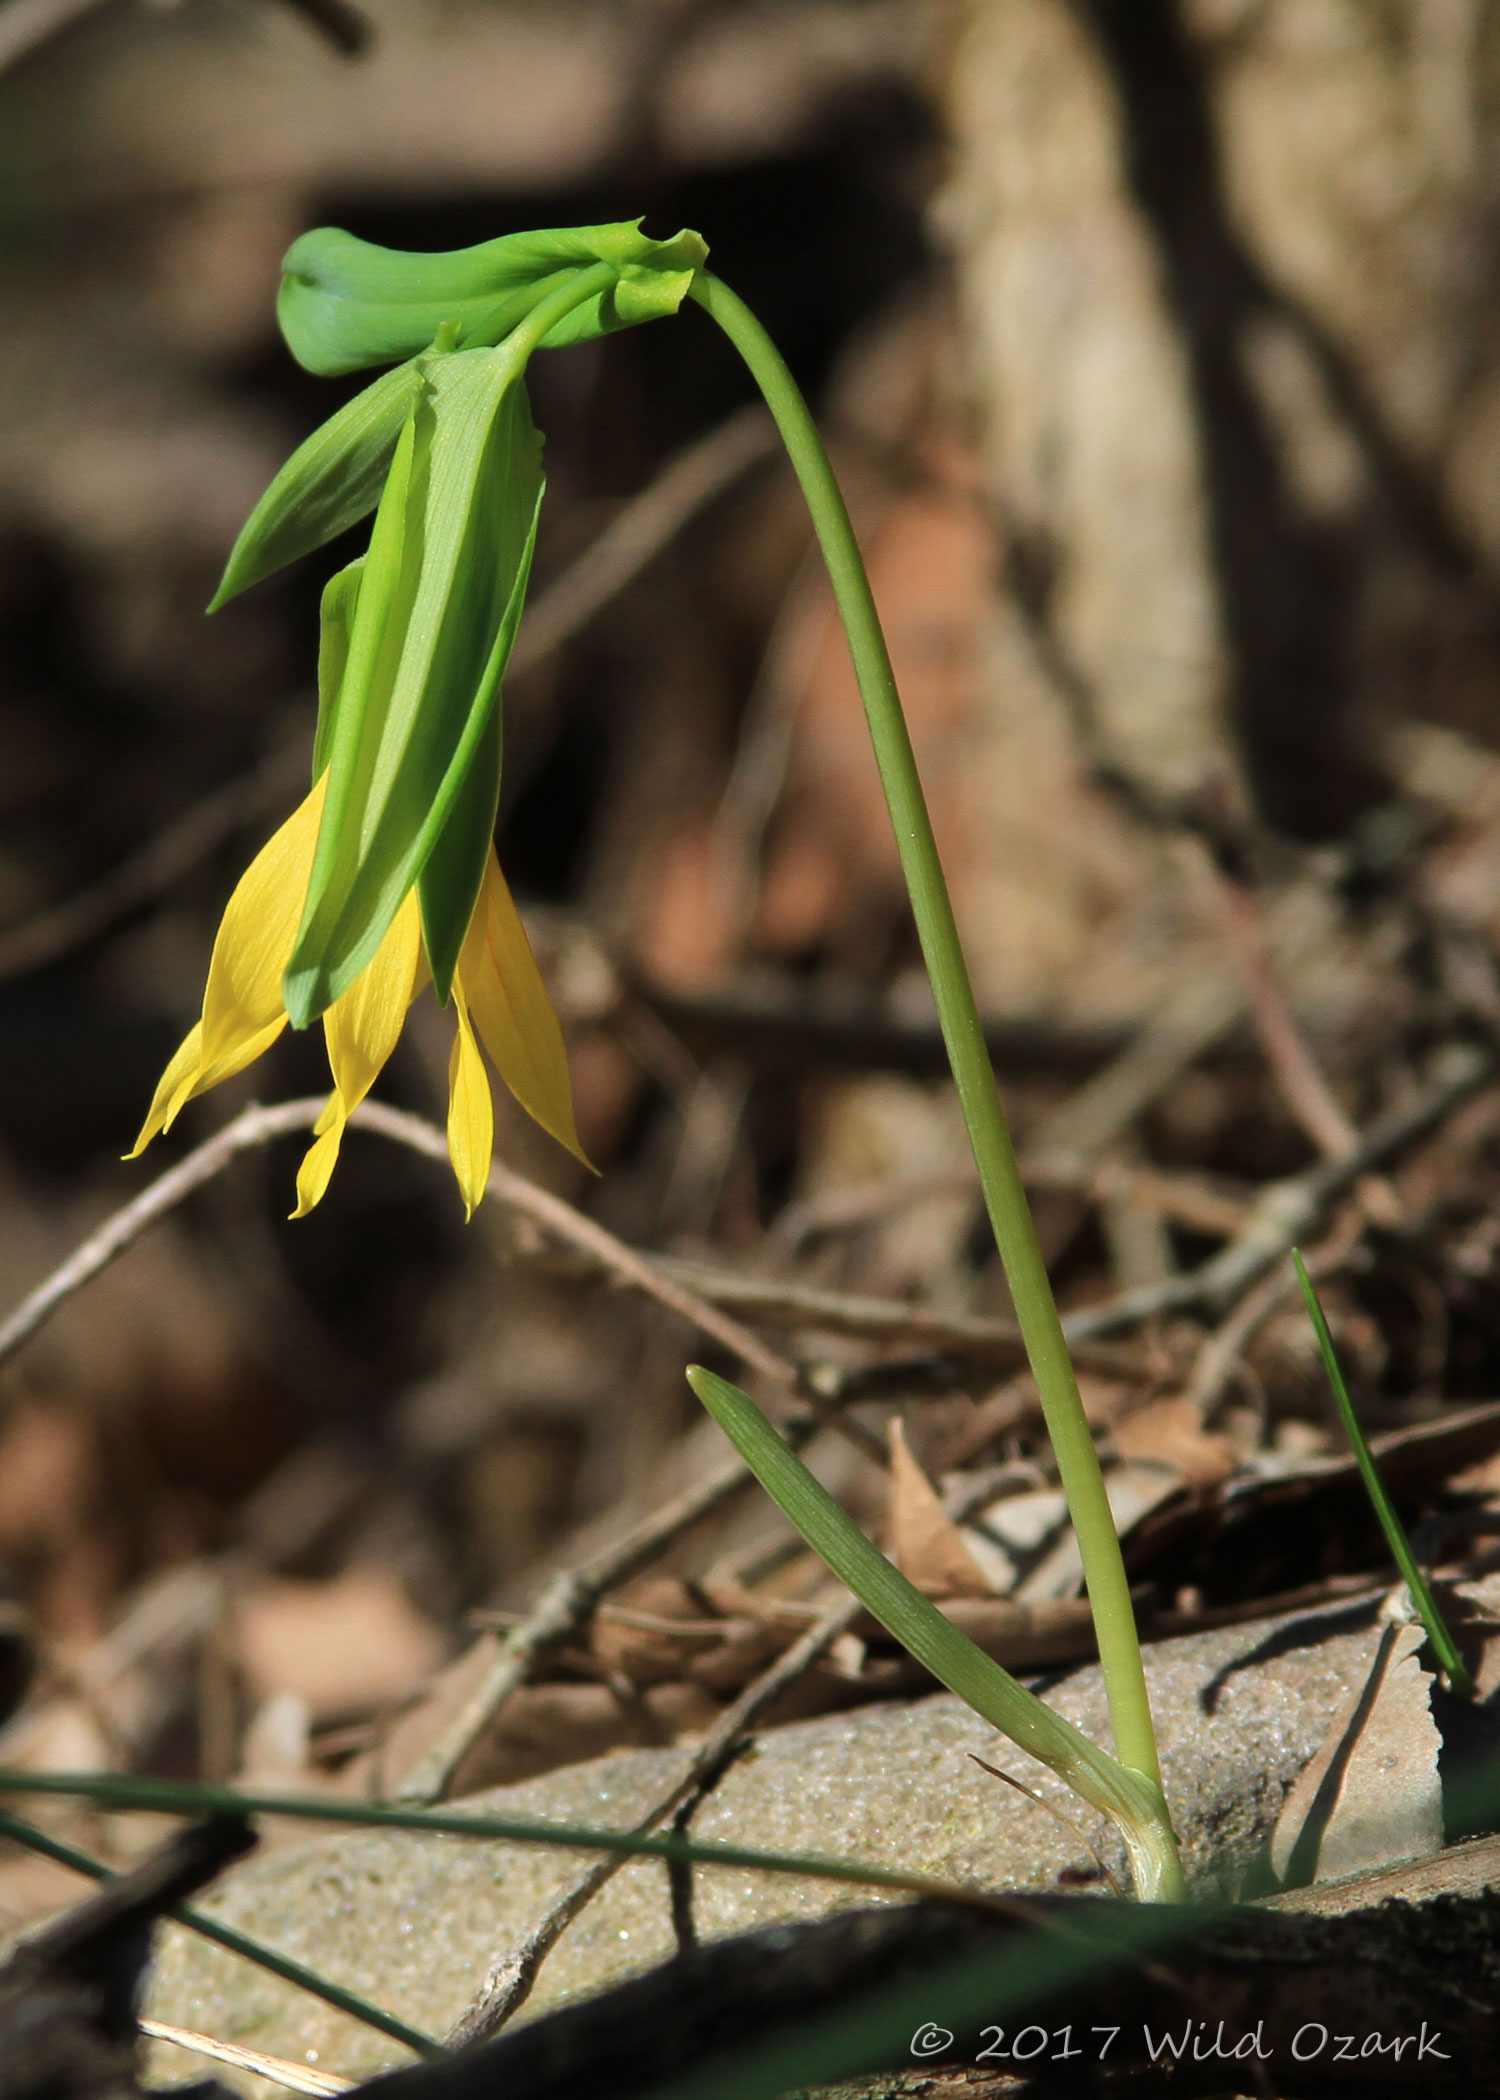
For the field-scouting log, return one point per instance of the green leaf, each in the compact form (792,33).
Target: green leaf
(336,623)
(1443,1644)
(330,482)
(437,610)
(1125,1797)
(346,303)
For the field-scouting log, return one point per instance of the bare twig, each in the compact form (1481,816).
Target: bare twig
(1296,1071)
(1214,1365)
(688,482)
(293,2078)
(1303,1087)
(261,1126)
(1184,1198)
(618,1261)
(172,853)
(776,1303)
(565,1605)
(1288,1210)
(509,1981)
(1088,1122)
(257,1126)
(511,1977)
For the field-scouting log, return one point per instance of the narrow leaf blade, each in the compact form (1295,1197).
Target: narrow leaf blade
(330,482)
(919,1626)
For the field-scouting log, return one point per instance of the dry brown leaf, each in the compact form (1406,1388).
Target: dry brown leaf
(651,1631)
(926,1544)
(1171,1433)
(346,1646)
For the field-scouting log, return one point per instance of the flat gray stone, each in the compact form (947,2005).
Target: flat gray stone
(413,1922)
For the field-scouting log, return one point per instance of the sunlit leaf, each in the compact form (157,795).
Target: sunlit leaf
(437,608)
(329,483)
(346,303)
(921,1628)
(336,623)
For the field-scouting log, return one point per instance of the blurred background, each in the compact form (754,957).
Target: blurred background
(1156,342)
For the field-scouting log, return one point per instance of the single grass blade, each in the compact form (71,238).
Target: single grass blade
(1443,1644)
(21,1832)
(118,1790)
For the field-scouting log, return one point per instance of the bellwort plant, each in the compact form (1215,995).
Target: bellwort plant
(385,878)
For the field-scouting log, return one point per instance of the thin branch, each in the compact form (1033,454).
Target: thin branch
(1214,1365)
(173,852)
(257,1126)
(618,1261)
(1089,1121)
(1185,1199)
(1287,1211)
(685,485)
(293,2078)
(1303,1087)
(512,1975)
(776,1303)
(563,1608)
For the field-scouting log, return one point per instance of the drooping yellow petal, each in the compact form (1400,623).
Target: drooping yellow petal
(363,1027)
(188,1075)
(242,999)
(471,1111)
(175,1085)
(498,977)
(242,1008)
(361,1030)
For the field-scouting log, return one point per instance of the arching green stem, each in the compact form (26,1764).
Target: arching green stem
(994,1155)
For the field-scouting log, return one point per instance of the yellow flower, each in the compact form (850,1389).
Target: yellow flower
(498,995)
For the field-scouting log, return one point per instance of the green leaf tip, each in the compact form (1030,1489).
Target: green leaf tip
(1443,1644)
(1130,1799)
(330,482)
(347,303)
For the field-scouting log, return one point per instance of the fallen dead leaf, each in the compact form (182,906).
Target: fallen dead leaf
(926,1544)
(346,1646)
(1171,1433)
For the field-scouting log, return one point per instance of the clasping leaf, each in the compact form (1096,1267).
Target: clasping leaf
(438,602)
(346,303)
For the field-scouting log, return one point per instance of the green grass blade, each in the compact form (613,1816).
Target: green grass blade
(282,1965)
(117,1790)
(1443,1644)
(1125,1797)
